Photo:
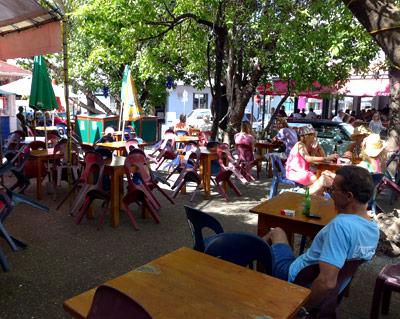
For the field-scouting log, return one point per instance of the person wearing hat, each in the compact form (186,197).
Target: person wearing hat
(303,153)
(353,151)
(373,154)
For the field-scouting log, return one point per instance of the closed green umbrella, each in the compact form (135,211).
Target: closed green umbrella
(42,96)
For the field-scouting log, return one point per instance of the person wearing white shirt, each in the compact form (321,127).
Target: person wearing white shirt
(339,117)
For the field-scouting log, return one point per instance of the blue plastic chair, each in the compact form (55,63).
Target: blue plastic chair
(242,249)
(4,262)
(278,175)
(197,221)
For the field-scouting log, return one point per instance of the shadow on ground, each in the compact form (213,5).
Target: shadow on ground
(64,259)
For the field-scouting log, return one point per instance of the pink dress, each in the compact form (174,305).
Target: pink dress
(297,168)
(243,138)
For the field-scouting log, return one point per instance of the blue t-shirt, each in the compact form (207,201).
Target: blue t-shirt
(348,236)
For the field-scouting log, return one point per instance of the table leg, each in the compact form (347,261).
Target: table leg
(207,177)
(115,199)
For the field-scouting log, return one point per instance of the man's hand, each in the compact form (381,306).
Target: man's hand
(276,235)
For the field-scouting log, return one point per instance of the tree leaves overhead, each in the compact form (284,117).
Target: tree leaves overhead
(305,41)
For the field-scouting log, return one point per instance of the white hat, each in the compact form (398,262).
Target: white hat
(307,129)
(373,145)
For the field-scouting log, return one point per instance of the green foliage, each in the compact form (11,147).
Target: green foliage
(305,41)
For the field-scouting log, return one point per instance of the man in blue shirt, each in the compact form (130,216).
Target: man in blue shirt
(350,235)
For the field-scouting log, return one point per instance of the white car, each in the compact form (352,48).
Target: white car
(195,118)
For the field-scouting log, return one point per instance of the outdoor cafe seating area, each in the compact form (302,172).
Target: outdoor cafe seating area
(128,214)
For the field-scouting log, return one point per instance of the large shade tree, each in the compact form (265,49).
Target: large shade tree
(231,43)
(381,19)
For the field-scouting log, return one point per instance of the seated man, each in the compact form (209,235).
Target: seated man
(350,235)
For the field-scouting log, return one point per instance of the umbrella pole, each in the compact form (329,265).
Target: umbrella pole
(121,111)
(45,131)
(34,125)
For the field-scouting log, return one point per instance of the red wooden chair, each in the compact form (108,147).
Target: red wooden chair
(91,188)
(60,164)
(247,161)
(15,163)
(30,168)
(147,176)
(138,191)
(388,280)
(166,149)
(89,185)
(204,137)
(188,168)
(131,144)
(327,309)
(109,302)
(228,167)
(14,141)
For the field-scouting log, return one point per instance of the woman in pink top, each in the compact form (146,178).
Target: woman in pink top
(245,136)
(304,152)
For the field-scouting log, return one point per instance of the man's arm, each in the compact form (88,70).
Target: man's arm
(323,284)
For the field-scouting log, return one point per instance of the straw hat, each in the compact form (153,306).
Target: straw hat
(307,129)
(373,145)
(360,130)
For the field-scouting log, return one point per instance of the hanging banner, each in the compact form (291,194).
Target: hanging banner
(129,97)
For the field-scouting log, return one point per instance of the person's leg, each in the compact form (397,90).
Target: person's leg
(282,252)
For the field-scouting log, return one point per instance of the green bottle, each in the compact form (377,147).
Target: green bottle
(307,203)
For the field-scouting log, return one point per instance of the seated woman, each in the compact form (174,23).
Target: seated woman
(373,154)
(304,152)
(181,125)
(353,150)
(285,134)
(376,125)
(245,136)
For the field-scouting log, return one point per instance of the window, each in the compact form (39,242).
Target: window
(200,101)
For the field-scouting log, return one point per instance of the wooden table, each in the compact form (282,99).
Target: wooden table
(30,139)
(40,156)
(186,139)
(118,146)
(326,166)
(206,157)
(269,214)
(189,284)
(115,169)
(48,128)
(262,147)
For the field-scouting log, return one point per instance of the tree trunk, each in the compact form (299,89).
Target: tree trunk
(381,18)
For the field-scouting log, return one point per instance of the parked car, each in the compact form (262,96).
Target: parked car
(195,118)
(333,136)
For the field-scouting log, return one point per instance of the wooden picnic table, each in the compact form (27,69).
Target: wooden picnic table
(186,139)
(331,166)
(39,157)
(48,128)
(206,156)
(189,284)
(269,214)
(262,147)
(114,167)
(30,139)
(118,146)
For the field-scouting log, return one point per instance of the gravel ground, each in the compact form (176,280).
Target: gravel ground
(63,259)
